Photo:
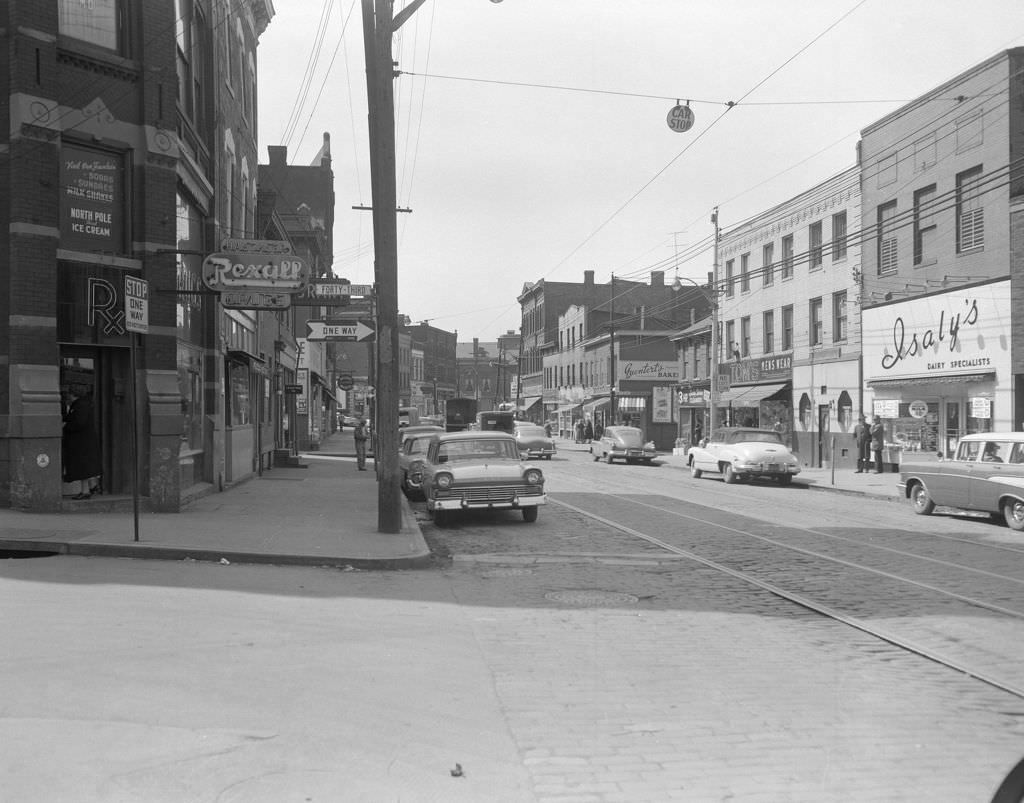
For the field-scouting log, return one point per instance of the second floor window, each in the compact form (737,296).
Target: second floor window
(745,336)
(815,328)
(729,277)
(839,235)
(97,22)
(924,225)
(745,273)
(787,257)
(787,327)
(768,327)
(768,269)
(887,243)
(970,214)
(814,245)
(730,339)
(839,316)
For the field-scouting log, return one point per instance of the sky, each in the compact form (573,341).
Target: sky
(531,135)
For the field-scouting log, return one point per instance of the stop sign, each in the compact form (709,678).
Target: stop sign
(346,382)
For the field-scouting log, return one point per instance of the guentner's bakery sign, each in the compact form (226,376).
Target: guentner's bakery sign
(961,331)
(647,370)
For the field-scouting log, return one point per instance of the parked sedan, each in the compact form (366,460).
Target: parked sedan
(986,474)
(533,441)
(743,453)
(410,460)
(623,443)
(472,470)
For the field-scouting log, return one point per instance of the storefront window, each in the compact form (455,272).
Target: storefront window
(916,429)
(238,402)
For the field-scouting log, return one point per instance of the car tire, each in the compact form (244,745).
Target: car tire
(730,476)
(530,514)
(785,479)
(1013,512)
(597,457)
(608,458)
(695,472)
(921,500)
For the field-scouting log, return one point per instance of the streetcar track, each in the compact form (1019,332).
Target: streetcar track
(806,602)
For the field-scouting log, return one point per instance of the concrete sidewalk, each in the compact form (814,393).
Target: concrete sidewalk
(324,514)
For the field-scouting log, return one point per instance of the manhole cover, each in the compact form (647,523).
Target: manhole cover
(590,597)
(511,572)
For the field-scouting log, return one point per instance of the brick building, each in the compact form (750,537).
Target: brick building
(131,151)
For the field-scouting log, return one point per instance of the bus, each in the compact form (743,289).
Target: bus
(408,416)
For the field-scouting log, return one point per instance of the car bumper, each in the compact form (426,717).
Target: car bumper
(539,452)
(632,454)
(462,503)
(765,471)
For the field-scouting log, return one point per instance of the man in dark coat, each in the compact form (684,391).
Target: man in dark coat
(361,435)
(862,439)
(81,443)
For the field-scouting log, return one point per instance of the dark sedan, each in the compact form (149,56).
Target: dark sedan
(533,441)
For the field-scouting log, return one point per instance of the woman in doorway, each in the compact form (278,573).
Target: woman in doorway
(81,444)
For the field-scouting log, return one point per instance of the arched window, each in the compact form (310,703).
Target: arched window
(845,411)
(805,412)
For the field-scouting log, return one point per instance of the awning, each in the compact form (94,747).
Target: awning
(591,407)
(566,407)
(632,403)
(749,395)
(932,380)
(257,364)
(528,402)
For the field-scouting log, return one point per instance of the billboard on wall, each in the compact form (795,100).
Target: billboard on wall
(91,200)
(646,371)
(961,331)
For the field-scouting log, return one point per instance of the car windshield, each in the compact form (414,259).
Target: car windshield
(755,436)
(485,448)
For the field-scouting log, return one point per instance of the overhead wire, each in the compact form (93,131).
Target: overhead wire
(307,75)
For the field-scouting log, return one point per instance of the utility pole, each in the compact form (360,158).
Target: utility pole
(713,418)
(611,349)
(378,27)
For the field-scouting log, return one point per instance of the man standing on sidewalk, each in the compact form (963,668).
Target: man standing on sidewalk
(360,438)
(862,438)
(877,442)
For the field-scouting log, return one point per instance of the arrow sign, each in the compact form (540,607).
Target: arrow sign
(322,330)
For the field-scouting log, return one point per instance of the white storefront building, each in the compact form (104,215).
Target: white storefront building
(937,367)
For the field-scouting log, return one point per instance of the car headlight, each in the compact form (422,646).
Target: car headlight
(534,477)
(443,480)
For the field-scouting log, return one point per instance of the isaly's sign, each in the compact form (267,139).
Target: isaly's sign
(957,332)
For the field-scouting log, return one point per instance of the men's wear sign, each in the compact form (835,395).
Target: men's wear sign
(963,331)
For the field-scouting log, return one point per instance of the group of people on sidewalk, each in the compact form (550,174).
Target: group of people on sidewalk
(870,439)
(587,431)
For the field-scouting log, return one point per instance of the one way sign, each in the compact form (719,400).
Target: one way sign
(322,330)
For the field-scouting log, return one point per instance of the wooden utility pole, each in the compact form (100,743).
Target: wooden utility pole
(378,27)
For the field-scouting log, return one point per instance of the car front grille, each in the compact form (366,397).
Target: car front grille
(490,494)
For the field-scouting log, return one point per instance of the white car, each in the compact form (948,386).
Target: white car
(743,452)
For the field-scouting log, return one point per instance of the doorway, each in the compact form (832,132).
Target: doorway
(104,371)
(824,424)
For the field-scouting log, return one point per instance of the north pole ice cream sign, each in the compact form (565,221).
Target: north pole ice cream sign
(965,331)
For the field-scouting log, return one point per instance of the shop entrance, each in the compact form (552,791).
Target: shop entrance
(104,371)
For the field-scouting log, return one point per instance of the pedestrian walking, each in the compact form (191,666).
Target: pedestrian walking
(360,435)
(588,431)
(862,440)
(579,432)
(80,444)
(877,442)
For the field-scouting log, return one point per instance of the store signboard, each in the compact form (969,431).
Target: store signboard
(981,407)
(962,331)
(886,408)
(92,200)
(647,371)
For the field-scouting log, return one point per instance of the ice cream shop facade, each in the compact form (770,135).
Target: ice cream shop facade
(938,366)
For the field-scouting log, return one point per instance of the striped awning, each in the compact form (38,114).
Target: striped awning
(988,376)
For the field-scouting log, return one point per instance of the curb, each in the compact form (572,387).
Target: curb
(208,555)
